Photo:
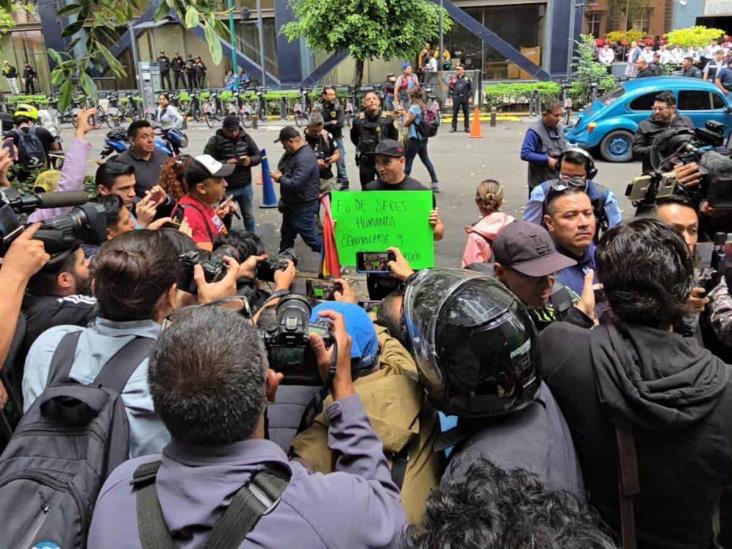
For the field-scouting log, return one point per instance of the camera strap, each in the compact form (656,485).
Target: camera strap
(315,406)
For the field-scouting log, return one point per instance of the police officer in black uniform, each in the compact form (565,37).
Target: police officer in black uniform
(164,64)
(461,90)
(334,118)
(191,72)
(179,67)
(370,126)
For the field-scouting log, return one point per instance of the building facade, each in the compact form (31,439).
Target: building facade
(652,17)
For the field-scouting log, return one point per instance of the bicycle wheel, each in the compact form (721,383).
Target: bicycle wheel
(246,119)
(262,111)
(209,116)
(99,118)
(299,118)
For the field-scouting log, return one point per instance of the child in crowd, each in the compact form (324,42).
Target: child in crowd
(489,199)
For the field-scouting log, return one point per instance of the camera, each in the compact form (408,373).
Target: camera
(683,145)
(288,344)
(213,265)
(85,222)
(266,268)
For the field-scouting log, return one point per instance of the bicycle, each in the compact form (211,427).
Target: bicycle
(262,109)
(111,114)
(301,110)
(246,110)
(209,107)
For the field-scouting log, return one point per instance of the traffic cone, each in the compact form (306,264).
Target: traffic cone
(269,195)
(475,130)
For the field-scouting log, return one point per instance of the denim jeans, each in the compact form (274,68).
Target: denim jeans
(341,164)
(419,147)
(243,197)
(299,219)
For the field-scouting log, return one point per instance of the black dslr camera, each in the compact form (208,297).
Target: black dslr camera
(266,269)
(683,145)
(87,222)
(288,343)
(212,263)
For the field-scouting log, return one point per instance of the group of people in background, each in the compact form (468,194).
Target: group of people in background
(29,75)
(190,72)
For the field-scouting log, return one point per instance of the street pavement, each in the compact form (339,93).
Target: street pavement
(461,163)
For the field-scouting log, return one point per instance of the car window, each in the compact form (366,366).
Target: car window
(693,100)
(718,101)
(612,96)
(644,102)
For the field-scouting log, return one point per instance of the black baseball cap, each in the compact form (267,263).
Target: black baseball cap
(204,166)
(529,249)
(288,132)
(389,147)
(231,121)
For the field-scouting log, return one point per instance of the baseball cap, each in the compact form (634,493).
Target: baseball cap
(405,65)
(231,121)
(527,248)
(364,341)
(204,166)
(288,132)
(389,147)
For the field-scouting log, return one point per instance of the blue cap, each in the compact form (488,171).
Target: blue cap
(405,65)
(364,342)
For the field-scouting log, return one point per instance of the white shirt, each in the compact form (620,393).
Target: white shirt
(606,56)
(666,56)
(432,65)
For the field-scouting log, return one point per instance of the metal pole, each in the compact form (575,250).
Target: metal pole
(570,47)
(261,42)
(135,56)
(442,37)
(232,31)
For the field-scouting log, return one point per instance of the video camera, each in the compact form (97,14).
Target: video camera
(684,145)
(213,265)
(288,344)
(86,222)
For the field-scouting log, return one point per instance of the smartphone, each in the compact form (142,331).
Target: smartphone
(322,290)
(599,292)
(373,262)
(178,214)
(370,306)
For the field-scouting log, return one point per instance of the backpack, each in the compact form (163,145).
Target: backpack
(256,498)
(65,446)
(430,122)
(31,152)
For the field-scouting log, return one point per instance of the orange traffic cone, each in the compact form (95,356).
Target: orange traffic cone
(475,130)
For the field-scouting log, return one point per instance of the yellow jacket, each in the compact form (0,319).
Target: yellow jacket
(400,415)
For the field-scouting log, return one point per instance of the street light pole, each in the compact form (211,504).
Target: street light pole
(232,32)
(570,48)
(442,36)
(135,56)
(261,42)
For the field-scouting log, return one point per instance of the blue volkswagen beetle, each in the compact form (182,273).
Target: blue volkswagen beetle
(608,124)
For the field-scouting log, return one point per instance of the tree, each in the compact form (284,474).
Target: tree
(693,37)
(625,37)
(621,13)
(367,29)
(99,23)
(588,71)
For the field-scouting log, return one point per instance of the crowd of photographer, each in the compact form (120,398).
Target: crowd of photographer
(175,385)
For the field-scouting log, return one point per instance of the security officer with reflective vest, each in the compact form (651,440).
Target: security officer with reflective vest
(369,128)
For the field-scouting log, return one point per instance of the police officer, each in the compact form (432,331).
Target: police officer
(369,127)
(334,117)
(191,72)
(179,67)
(164,64)
(461,90)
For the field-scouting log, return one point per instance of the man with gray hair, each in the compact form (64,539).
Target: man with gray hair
(543,143)
(326,150)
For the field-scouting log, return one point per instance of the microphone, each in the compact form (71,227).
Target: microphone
(60,199)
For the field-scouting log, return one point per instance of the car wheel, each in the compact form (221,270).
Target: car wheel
(617,146)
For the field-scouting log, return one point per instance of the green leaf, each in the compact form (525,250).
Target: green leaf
(88,85)
(64,95)
(55,56)
(57,77)
(114,64)
(70,9)
(192,18)
(72,29)
(214,44)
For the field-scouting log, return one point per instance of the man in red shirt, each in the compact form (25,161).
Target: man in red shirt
(205,187)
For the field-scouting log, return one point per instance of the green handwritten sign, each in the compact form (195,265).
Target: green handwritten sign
(372,221)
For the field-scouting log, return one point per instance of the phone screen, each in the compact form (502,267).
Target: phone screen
(373,262)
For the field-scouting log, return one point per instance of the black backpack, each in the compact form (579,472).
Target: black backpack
(429,123)
(65,446)
(31,152)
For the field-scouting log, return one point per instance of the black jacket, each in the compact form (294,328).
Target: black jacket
(647,132)
(222,149)
(47,311)
(366,132)
(301,176)
(677,399)
(333,116)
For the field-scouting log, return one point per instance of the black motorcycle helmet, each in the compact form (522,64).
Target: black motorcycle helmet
(474,343)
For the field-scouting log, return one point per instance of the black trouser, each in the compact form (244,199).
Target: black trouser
(179,77)
(30,87)
(163,77)
(456,105)
(191,80)
(366,170)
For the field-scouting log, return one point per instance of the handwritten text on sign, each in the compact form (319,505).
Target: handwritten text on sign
(373,221)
